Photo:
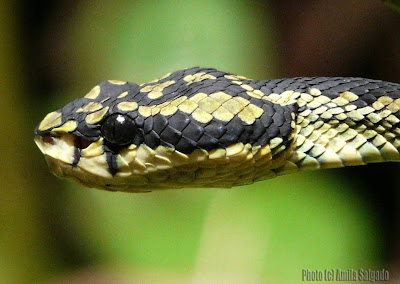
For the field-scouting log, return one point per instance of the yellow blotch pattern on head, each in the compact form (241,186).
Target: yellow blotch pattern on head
(93,93)
(69,126)
(51,120)
(155,91)
(127,106)
(117,82)
(96,116)
(92,106)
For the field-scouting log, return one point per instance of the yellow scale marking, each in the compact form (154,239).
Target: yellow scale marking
(198,77)
(117,82)
(94,93)
(95,117)
(127,106)
(122,95)
(342,145)
(51,120)
(202,116)
(155,91)
(187,106)
(69,126)
(91,106)
(223,114)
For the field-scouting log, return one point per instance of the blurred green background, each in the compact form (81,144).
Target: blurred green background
(56,232)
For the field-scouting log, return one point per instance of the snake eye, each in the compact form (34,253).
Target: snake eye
(119,129)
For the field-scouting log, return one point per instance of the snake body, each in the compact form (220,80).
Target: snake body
(201,127)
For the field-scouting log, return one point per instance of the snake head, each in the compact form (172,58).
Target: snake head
(74,141)
(192,128)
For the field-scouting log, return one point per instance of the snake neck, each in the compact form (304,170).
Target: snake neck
(333,133)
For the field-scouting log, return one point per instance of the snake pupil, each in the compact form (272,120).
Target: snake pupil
(119,129)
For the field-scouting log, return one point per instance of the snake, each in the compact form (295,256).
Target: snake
(204,128)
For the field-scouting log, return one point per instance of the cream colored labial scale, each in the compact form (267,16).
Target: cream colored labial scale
(145,169)
(162,168)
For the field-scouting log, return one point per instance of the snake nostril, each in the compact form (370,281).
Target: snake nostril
(81,143)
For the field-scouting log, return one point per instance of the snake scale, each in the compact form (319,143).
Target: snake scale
(200,127)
